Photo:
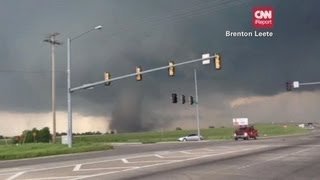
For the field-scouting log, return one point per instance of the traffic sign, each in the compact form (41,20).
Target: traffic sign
(296,84)
(207,61)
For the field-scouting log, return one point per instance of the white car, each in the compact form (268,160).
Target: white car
(190,137)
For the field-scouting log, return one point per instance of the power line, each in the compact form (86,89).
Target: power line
(170,14)
(205,11)
(202,9)
(29,72)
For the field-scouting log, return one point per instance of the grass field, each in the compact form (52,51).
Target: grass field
(46,149)
(279,129)
(208,134)
(99,142)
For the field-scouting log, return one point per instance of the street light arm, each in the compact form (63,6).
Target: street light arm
(86,32)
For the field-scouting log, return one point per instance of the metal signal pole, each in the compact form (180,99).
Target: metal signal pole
(197,102)
(69,90)
(51,39)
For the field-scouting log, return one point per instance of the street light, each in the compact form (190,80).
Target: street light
(69,83)
(98,27)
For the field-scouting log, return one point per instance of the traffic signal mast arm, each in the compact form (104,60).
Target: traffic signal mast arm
(91,85)
(296,84)
(309,83)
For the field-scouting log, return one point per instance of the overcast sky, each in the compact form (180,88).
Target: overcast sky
(149,33)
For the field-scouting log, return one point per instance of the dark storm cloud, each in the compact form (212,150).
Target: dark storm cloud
(149,34)
(261,65)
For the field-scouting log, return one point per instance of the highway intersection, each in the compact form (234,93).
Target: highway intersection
(263,159)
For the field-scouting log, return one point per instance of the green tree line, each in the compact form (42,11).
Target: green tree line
(32,136)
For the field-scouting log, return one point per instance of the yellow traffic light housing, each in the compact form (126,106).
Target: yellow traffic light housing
(107,77)
(138,71)
(218,62)
(171,69)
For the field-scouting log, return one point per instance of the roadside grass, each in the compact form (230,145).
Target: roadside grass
(30,150)
(5,141)
(279,129)
(208,134)
(100,142)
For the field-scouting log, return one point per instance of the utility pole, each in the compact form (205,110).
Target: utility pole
(51,39)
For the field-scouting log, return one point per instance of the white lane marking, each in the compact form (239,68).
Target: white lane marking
(4,174)
(12,169)
(195,152)
(163,152)
(158,156)
(49,168)
(118,159)
(164,163)
(313,145)
(16,175)
(95,162)
(207,149)
(48,178)
(113,172)
(133,157)
(150,161)
(186,152)
(275,158)
(110,168)
(181,156)
(148,155)
(77,167)
(124,160)
(72,165)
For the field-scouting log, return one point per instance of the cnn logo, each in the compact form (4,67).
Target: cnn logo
(263,17)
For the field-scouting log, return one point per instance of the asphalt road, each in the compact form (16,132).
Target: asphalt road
(279,158)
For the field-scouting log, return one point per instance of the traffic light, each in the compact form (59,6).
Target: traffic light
(174,98)
(217,61)
(107,77)
(183,99)
(138,71)
(171,69)
(191,100)
(289,86)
